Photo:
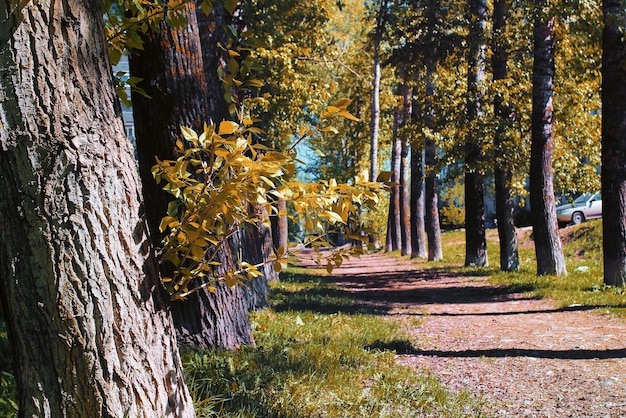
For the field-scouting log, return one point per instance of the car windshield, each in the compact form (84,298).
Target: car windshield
(582,198)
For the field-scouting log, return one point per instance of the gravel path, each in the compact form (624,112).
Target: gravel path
(525,356)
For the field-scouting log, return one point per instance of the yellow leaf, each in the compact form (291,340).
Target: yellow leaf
(197,252)
(334,217)
(384,176)
(165,222)
(342,103)
(255,83)
(227,127)
(348,115)
(188,133)
(230,281)
(267,181)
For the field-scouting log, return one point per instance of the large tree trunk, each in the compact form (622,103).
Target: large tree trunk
(87,316)
(505,208)
(171,67)
(614,142)
(550,259)
(475,241)
(257,248)
(257,242)
(405,193)
(220,318)
(212,29)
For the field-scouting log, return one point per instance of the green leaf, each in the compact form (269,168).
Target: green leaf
(230,5)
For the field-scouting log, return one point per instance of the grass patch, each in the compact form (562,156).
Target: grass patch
(314,364)
(582,247)
(8,395)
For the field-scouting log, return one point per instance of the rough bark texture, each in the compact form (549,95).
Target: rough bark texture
(475,241)
(87,317)
(172,68)
(216,319)
(257,242)
(614,142)
(405,192)
(212,33)
(257,248)
(548,249)
(505,208)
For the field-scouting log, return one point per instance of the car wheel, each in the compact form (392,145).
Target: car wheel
(577,218)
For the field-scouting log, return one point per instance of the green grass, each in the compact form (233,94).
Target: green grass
(338,363)
(582,286)
(8,396)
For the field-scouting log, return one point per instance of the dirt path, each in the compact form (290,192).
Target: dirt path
(525,356)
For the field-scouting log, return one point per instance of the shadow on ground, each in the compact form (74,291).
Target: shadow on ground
(406,348)
(379,294)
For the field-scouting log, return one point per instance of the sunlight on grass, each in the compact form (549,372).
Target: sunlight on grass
(582,246)
(313,364)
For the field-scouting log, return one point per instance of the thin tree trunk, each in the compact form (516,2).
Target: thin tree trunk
(405,193)
(418,242)
(475,240)
(171,67)
(505,208)
(614,142)
(394,233)
(550,259)
(381,17)
(375,112)
(87,317)
(433,231)
(280,226)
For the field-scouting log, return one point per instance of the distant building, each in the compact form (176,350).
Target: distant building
(127,112)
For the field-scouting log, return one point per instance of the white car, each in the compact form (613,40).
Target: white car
(584,207)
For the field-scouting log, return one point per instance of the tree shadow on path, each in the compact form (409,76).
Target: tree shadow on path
(405,347)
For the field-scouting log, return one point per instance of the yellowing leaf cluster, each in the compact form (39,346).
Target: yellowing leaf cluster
(221,172)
